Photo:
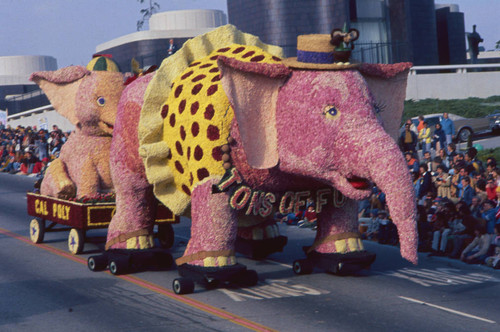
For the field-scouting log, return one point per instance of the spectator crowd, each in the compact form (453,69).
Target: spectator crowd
(28,150)
(458,197)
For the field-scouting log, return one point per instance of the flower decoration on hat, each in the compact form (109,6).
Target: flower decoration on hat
(342,40)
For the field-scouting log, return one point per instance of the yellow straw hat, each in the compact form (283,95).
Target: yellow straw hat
(316,52)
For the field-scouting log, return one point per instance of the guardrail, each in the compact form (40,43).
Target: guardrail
(459,69)
(30,112)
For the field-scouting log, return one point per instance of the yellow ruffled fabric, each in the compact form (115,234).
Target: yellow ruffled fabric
(157,136)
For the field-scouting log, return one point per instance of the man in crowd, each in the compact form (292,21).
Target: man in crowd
(466,192)
(408,140)
(448,128)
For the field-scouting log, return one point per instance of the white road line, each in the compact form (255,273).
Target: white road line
(448,309)
(278,263)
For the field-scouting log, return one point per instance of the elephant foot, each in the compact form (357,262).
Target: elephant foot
(137,240)
(209,259)
(340,243)
(259,241)
(341,253)
(260,249)
(211,277)
(259,232)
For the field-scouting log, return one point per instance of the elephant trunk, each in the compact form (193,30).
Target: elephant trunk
(389,171)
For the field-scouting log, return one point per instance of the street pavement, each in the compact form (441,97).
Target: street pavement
(45,288)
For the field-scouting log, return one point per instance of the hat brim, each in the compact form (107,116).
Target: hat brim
(293,63)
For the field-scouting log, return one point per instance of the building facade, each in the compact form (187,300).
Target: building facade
(390,30)
(17,92)
(451,35)
(150,47)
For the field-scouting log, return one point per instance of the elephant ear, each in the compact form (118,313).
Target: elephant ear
(387,84)
(61,87)
(252,90)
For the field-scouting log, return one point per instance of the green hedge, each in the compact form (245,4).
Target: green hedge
(485,154)
(469,108)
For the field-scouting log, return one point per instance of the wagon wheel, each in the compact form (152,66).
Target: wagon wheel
(165,235)
(37,230)
(76,241)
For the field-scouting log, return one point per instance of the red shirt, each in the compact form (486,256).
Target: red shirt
(310,216)
(492,193)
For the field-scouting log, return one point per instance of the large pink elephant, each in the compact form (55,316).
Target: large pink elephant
(295,133)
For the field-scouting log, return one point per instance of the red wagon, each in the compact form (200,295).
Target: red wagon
(80,217)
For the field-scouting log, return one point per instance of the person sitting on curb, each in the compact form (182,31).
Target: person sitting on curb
(385,228)
(494,260)
(477,251)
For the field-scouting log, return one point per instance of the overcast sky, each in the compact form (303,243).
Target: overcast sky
(69,30)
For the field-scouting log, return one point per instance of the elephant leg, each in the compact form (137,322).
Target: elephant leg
(213,229)
(56,182)
(132,224)
(338,230)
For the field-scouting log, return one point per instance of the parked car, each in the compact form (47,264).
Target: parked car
(464,127)
(495,122)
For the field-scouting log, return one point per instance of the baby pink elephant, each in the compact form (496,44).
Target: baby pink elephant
(89,100)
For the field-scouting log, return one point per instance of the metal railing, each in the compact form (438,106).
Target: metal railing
(26,101)
(24,114)
(381,52)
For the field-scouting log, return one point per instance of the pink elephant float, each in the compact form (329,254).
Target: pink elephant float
(240,133)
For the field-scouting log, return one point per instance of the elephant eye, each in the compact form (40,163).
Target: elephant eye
(379,108)
(331,111)
(101,101)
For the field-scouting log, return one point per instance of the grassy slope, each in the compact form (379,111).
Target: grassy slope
(469,108)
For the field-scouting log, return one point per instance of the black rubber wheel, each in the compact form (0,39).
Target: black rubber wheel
(164,260)
(337,268)
(119,266)
(302,266)
(97,263)
(183,286)
(249,278)
(165,235)
(76,241)
(37,230)
(464,134)
(211,283)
